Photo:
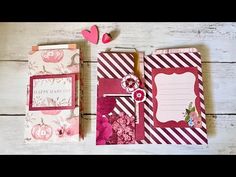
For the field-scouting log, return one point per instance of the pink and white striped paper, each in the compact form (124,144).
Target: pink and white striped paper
(175,58)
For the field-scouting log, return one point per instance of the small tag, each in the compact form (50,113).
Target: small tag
(174,50)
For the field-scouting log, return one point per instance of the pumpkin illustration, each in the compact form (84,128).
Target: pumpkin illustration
(41,131)
(52,56)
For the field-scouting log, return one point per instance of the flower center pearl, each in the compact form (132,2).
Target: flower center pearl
(139,95)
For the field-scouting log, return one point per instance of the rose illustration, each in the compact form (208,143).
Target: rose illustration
(68,127)
(193,115)
(197,122)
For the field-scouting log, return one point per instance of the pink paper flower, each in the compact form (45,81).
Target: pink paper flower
(130,83)
(139,95)
(197,122)
(105,105)
(52,56)
(193,115)
(104,130)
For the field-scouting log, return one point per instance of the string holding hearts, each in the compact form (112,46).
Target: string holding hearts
(92,35)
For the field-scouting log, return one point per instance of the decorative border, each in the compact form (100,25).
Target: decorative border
(169,71)
(31,108)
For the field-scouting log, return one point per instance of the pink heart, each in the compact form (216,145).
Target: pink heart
(106,38)
(91,35)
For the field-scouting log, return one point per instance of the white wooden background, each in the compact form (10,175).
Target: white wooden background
(216,42)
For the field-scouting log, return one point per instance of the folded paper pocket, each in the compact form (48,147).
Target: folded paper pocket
(174,111)
(118,119)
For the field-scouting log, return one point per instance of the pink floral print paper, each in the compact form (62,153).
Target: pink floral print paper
(54,125)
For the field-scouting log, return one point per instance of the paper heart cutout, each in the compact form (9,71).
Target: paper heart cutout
(106,38)
(92,35)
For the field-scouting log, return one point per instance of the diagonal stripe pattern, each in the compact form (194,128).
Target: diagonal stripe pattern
(156,135)
(124,104)
(115,65)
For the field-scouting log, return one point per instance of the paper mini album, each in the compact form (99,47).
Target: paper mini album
(152,99)
(53,96)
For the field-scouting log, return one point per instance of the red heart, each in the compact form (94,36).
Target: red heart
(106,38)
(91,35)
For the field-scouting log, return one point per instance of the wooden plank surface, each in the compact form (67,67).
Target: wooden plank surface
(215,41)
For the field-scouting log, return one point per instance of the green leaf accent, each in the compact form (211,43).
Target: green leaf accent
(187,111)
(193,109)
(187,118)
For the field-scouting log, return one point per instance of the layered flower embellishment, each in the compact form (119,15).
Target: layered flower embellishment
(192,117)
(118,127)
(131,84)
(139,95)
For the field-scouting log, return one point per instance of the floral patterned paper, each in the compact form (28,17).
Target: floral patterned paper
(54,125)
(113,128)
